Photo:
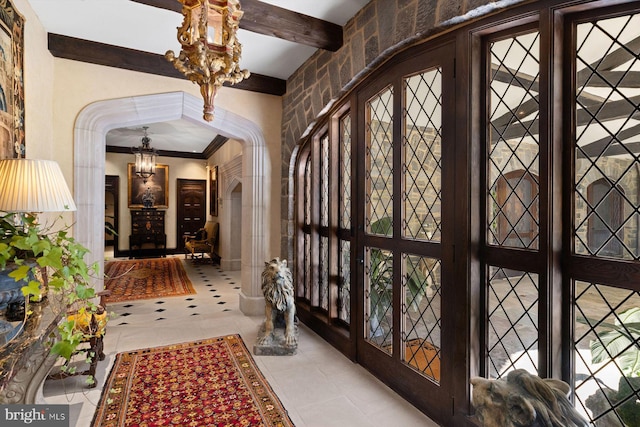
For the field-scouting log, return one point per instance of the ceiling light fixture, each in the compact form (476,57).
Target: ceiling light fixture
(145,165)
(210,54)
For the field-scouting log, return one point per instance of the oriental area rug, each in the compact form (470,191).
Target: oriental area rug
(146,278)
(209,383)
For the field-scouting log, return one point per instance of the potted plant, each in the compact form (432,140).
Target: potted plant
(381,280)
(619,342)
(50,263)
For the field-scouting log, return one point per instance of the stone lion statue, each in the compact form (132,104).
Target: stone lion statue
(524,400)
(277,287)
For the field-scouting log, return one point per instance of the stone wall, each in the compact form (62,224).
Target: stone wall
(379,30)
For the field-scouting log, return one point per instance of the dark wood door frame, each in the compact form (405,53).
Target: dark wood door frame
(432,398)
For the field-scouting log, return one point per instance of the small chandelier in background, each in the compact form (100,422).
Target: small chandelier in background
(210,54)
(145,158)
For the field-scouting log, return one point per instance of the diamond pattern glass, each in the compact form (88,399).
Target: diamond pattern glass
(606,202)
(324,181)
(323,262)
(345,172)
(607,353)
(323,270)
(422,167)
(305,291)
(379,163)
(307,191)
(513,167)
(379,298)
(512,321)
(422,313)
(344,290)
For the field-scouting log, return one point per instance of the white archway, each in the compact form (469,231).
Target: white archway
(230,177)
(90,131)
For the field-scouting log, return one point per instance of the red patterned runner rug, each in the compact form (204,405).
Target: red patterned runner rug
(146,278)
(209,383)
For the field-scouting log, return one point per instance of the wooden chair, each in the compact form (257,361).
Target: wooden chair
(93,324)
(204,243)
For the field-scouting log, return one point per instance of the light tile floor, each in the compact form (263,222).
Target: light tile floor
(318,386)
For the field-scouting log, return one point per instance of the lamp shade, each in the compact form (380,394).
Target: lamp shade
(28,185)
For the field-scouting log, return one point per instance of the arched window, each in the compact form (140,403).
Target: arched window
(604,231)
(517,192)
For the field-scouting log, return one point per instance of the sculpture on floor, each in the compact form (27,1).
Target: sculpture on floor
(277,287)
(524,400)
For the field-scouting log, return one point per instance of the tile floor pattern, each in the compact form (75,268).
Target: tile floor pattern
(318,386)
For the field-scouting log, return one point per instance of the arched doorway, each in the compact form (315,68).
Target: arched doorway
(235,212)
(91,127)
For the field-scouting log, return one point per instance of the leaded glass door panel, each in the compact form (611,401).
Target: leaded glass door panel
(324,230)
(407,204)
(603,266)
(511,290)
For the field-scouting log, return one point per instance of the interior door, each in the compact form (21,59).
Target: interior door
(191,216)
(405,199)
(111,212)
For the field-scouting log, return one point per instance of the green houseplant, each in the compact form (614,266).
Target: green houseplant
(381,279)
(620,342)
(51,263)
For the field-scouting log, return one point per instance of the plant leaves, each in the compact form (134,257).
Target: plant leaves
(64,349)
(383,226)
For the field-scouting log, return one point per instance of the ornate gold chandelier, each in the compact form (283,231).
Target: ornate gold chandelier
(210,52)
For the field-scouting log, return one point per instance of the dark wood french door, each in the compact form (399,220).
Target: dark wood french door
(191,215)
(405,205)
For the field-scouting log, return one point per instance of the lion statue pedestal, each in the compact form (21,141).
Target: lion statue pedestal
(278,335)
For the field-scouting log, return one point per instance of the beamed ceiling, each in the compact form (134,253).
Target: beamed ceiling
(277,37)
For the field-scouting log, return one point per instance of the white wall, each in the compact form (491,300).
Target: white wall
(116,164)
(56,90)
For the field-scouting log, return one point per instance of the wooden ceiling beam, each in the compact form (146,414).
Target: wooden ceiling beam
(135,60)
(214,146)
(274,21)
(161,153)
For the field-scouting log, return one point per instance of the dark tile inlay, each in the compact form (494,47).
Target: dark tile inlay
(160,310)
(221,302)
(161,318)
(192,306)
(128,305)
(125,314)
(160,302)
